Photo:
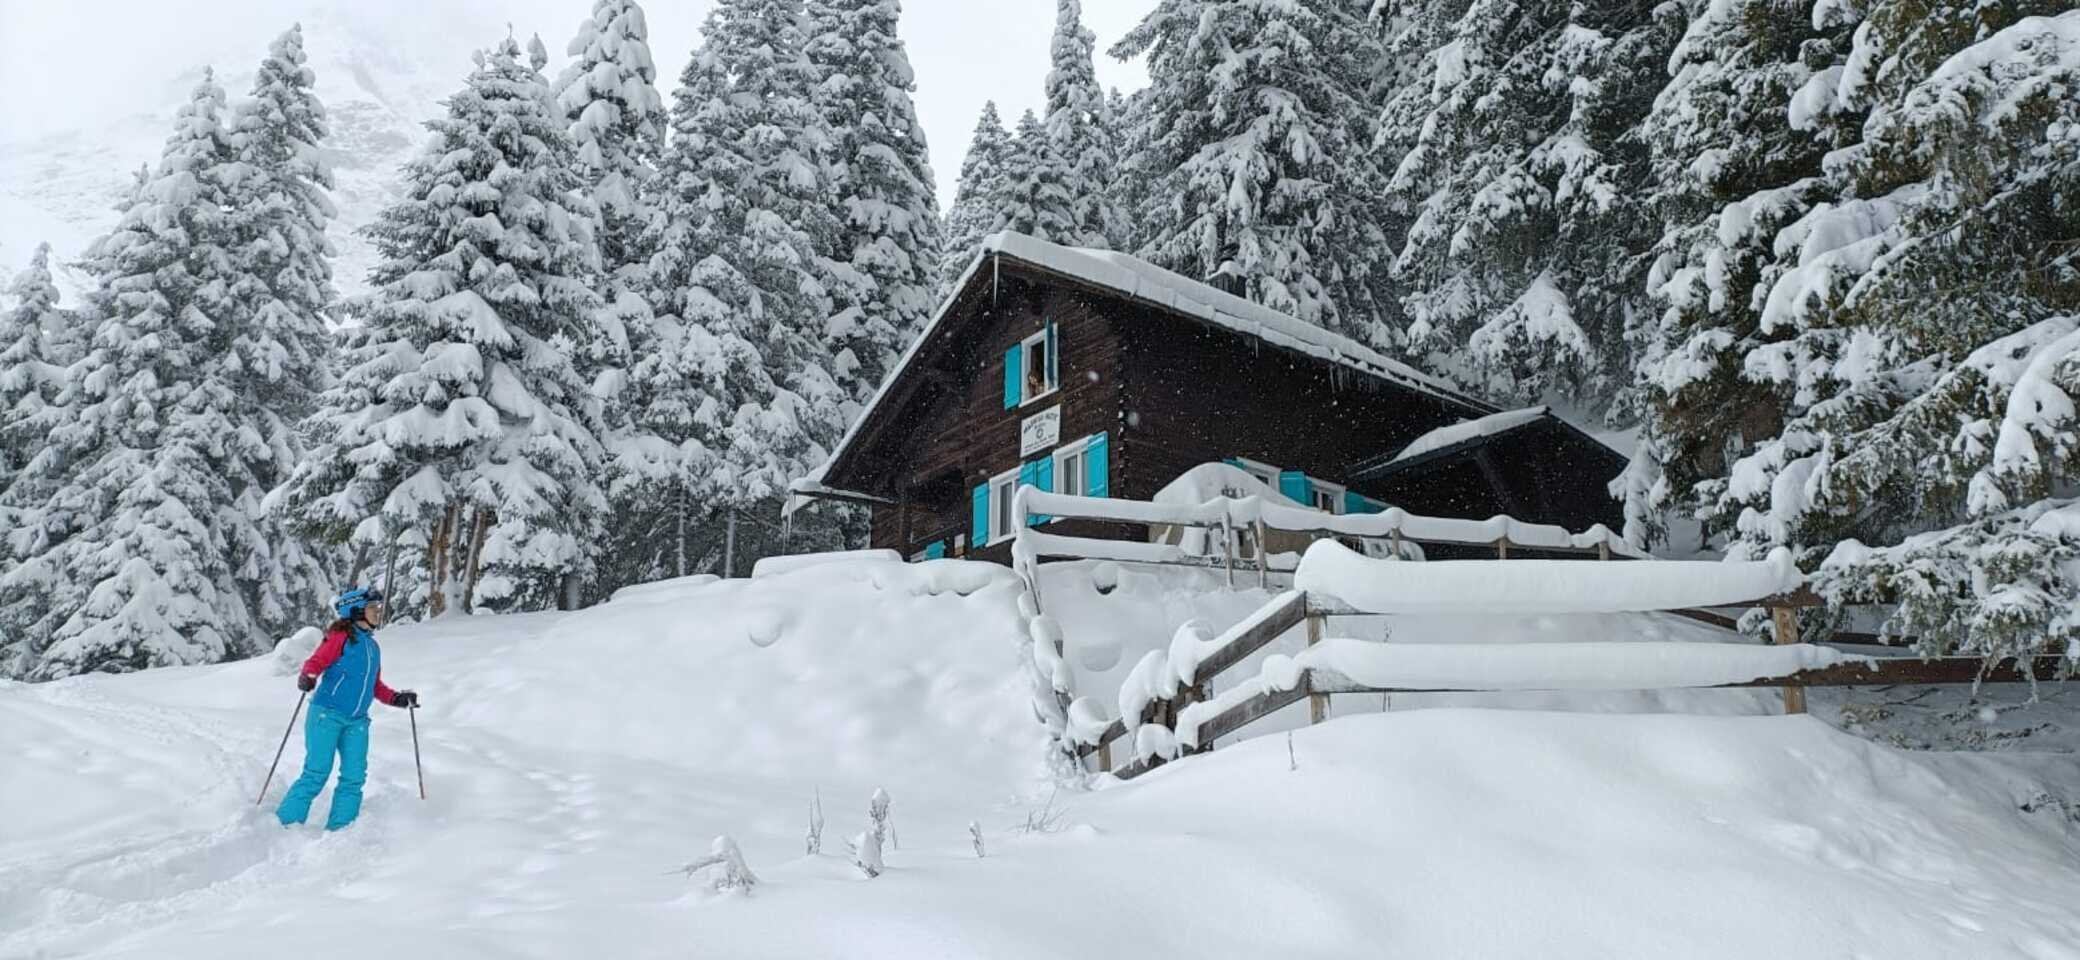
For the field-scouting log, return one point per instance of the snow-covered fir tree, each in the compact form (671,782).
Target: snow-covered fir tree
(1257,125)
(608,95)
(32,368)
(130,565)
(1513,157)
(977,197)
(463,412)
(882,180)
(1078,122)
(281,349)
(736,400)
(1129,192)
(1035,198)
(1919,332)
(1729,169)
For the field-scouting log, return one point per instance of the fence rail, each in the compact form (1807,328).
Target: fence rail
(1318,685)
(1249,520)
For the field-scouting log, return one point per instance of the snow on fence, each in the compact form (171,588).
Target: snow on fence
(1231,515)
(1165,710)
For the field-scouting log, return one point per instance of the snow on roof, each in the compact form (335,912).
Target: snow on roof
(1145,281)
(1142,280)
(1465,430)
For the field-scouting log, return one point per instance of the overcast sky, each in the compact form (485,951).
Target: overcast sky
(75,66)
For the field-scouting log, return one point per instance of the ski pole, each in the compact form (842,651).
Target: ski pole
(278,750)
(416,766)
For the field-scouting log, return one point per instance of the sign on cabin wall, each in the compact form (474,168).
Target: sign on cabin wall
(1040,431)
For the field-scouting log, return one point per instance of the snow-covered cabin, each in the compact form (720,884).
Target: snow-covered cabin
(1092,372)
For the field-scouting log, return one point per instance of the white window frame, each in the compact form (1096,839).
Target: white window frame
(1062,454)
(1336,500)
(1260,470)
(1003,488)
(1025,362)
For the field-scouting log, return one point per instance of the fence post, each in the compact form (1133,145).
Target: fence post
(1603,548)
(1502,547)
(1395,534)
(1263,558)
(1105,756)
(1317,703)
(1228,548)
(1785,619)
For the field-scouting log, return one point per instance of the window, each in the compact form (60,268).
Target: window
(1327,497)
(1260,470)
(1072,468)
(1042,373)
(1001,488)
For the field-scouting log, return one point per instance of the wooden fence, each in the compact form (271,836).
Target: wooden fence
(1297,608)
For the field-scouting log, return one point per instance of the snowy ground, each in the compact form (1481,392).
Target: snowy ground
(574,760)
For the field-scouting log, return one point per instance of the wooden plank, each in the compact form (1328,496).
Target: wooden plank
(1901,671)
(1248,711)
(1317,703)
(1786,621)
(1137,768)
(1286,616)
(1113,732)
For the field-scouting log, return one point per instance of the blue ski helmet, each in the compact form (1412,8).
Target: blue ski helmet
(350,604)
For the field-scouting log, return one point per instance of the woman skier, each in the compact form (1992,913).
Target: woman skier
(347,673)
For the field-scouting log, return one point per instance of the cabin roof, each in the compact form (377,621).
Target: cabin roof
(1453,439)
(1139,280)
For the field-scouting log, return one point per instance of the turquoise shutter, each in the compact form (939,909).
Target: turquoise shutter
(980,534)
(1097,483)
(1235,462)
(1054,354)
(935,549)
(1296,487)
(1011,376)
(1043,478)
(1353,503)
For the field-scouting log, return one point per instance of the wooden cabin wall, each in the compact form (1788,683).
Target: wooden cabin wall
(974,437)
(1195,393)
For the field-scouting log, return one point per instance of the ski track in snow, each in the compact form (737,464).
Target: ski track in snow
(573,761)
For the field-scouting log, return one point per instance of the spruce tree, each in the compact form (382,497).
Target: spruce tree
(1514,156)
(133,566)
(31,368)
(882,181)
(1255,150)
(1079,125)
(281,350)
(1921,334)
(978,197)
(1729,169)
(1035,199)
(463,413)
(736,401)
(608,95)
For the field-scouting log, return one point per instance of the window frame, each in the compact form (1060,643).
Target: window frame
(1049,364)
(1079,449)
(1000,506)
(1264,472)
(1336,500)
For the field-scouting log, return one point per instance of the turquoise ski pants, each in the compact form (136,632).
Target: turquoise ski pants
(326,732)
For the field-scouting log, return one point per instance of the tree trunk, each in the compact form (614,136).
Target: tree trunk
(679,521)
(729,547)
(437,562)
(476,559)
(390,561)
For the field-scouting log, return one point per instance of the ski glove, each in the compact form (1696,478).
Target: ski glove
(404,698)
(306,682)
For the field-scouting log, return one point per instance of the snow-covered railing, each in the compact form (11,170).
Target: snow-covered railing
(1165,709)
(1393,525)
